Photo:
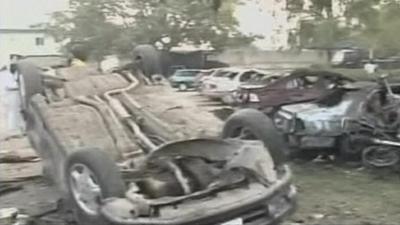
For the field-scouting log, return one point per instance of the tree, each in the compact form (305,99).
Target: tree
(87,20)
(375,24)
(117,25)
(170,23)
(318,26)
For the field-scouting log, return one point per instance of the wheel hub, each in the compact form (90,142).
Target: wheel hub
(85,189)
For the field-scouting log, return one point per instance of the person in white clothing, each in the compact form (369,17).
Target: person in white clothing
(11,117)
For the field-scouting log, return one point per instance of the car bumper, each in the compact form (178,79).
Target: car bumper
(176,84)
(313,142)
(214,94)
(229,99)
(256,204)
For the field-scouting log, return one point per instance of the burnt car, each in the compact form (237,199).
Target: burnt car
(116,163)
(350,121)
(302,85)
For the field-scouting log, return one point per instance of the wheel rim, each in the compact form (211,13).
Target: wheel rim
(182,87)
(244,133)
(380,156)
(85,188)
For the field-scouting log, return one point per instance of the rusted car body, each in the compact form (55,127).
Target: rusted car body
(116,163)
(301,85)
(337,121)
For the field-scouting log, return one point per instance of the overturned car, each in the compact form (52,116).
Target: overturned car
(116,163)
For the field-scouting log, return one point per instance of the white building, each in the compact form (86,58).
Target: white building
(16,20)
(25,42)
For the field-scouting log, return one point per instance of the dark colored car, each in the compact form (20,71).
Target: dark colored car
(301,85)
(184,79)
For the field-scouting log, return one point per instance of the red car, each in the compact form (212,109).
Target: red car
(302,85)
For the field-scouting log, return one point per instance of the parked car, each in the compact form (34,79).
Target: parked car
(184,79)
(114,162)
(203,75)
(258,81)
(337,122)
(302,85)
(224,81)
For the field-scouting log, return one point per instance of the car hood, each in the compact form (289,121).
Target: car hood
(314,112)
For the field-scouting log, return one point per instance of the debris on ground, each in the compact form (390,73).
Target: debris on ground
(7,188)
(18,156)
(7,214)
(17,172)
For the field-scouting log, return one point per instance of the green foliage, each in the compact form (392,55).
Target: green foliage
(374,24)
(87,20)
(118,25)
(378,24)
(320,29)
(171,23)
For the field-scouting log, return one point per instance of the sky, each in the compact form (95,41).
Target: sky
(23,13)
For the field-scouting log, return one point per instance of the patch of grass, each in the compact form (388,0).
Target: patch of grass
(346,196)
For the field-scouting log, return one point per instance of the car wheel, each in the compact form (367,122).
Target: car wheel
(147,59)
(30,83)
(91,176)
(182,87)
(348,150)
(250,124)
(380,157)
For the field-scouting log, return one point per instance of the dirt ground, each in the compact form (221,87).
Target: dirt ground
(328,194)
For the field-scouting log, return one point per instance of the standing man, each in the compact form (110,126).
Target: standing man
(10,107)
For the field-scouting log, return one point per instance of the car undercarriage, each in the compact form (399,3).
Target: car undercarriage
(112,158)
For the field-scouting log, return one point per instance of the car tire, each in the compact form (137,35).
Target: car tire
(147,59)
(349,151)
(182,87)
(104,173)
(30,83)
(262,128)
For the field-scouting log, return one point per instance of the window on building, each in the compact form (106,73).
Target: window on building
(39,41)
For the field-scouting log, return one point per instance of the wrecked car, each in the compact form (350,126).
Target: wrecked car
(301,85)
(352,121)
(116,163)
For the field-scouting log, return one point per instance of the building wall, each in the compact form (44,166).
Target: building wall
(271,59)
(25,42)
